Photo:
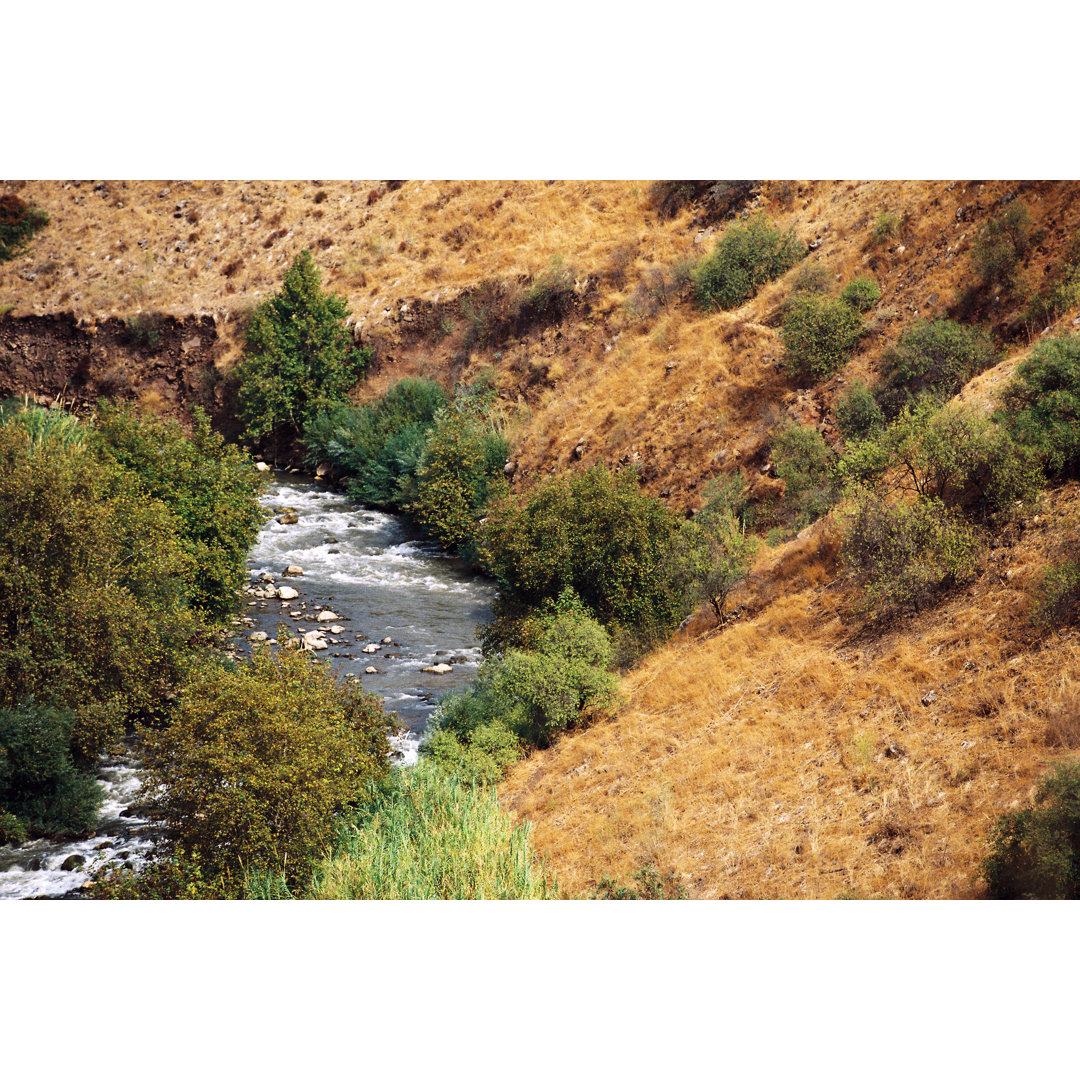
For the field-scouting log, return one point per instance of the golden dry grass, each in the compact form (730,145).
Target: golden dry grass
(797,754)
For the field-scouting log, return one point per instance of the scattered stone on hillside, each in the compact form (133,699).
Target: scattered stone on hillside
(286,592)
(439,669)
(929,698)
(288,519)
(509,468)
(894,751)
(292,571)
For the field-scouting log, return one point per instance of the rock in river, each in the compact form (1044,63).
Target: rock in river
(286,592)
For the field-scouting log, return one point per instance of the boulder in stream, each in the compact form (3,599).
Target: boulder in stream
(73,862)
(288,519)
(292,571)
(286,592)
(439,669)
(327,616)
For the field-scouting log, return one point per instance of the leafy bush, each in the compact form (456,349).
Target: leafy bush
(745,258)
(811,278)
(1043,403)
(709,556)
(378,446)
(18,223)
(211,489)
(905,554)
(300,355)
(1035,851)
(527,695)
(954,455)
(1058,600)
(257,761)
(805,463)
(861,294)
(596,532)
(40,786)
(935,358)
(93,587)
(819,333)
(460,469)
(858,414)
(1001,244)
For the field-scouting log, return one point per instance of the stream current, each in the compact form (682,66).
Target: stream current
(380,579)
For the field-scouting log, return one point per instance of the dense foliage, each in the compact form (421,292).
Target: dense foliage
(819,334)
(257,761)
(1001,243)
(93,587)
(300,356)
(1035,851)
(1043,403)
(377,447)
(210,488)
(745,258)
(857,413)
(708,557)
(596,532)
(18,223)
(460,469)
(41,791)
(936,358)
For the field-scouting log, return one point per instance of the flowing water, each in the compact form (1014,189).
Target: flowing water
(380,580)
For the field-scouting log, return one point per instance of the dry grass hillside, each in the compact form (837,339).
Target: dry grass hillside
(797,752)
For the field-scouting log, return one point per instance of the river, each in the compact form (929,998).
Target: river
(380,579)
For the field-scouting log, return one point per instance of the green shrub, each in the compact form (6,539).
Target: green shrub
(861,294)
(905,554)
(935,358)
(460,469)
(429,834)
(39,783)
(377,446)
(1043,403)
(531,693)
(93,588)
(211,489)
(805,463)
(811,278)
(596,532)
(300,356)
(649,886)
(954,455)
(709,556)
(257,761)
(1035,851)
(1057,602)
(18,223)
(745,258)
(819,334)
(858,414)
(886,227)
(1001,244)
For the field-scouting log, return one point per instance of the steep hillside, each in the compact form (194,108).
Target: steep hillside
(797,751)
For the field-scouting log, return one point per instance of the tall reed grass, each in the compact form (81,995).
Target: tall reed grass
(431,835)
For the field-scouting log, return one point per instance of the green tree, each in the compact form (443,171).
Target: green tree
(211,489)
(300,356)
(709,556)
(596,532)
(257,761)
(819,333)
(93,588)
